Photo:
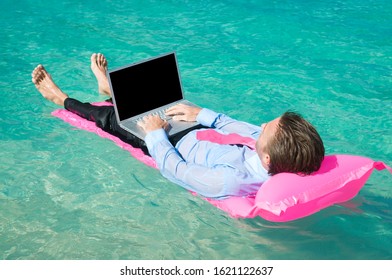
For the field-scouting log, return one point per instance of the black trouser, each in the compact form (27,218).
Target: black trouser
(105,118)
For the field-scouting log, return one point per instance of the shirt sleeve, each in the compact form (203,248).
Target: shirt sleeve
(227,124)
(217,182)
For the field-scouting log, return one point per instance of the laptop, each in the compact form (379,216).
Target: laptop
(148,87)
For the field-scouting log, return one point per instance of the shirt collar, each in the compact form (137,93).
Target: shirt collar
(254,163)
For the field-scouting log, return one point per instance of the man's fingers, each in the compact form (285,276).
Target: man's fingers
(178,109)
(141,123)
(174,111)
(179,118)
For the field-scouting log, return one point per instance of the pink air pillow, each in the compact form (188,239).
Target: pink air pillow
(288,196)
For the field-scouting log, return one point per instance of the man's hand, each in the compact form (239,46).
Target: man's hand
(182,112)
(152,122)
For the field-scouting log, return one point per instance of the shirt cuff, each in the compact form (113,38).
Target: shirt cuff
(154,137)
(207,117)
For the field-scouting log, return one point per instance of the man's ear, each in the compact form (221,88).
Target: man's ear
(265,160)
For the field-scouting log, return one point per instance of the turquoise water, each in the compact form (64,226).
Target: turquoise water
(68,194)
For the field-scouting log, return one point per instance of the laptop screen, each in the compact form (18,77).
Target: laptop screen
(156,82)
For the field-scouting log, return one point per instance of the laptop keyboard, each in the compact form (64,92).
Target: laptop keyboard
(160,113)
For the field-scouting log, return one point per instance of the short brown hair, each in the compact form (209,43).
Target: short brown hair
(296,147)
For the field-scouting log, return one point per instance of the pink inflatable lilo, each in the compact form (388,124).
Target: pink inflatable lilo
(284,197)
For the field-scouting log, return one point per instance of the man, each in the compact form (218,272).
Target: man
(286,144)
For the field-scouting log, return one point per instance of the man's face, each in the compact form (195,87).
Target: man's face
(268,131)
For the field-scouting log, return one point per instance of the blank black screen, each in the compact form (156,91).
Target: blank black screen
(145,86)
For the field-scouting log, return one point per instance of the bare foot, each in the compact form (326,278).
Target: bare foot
(45,85)
(99,66)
